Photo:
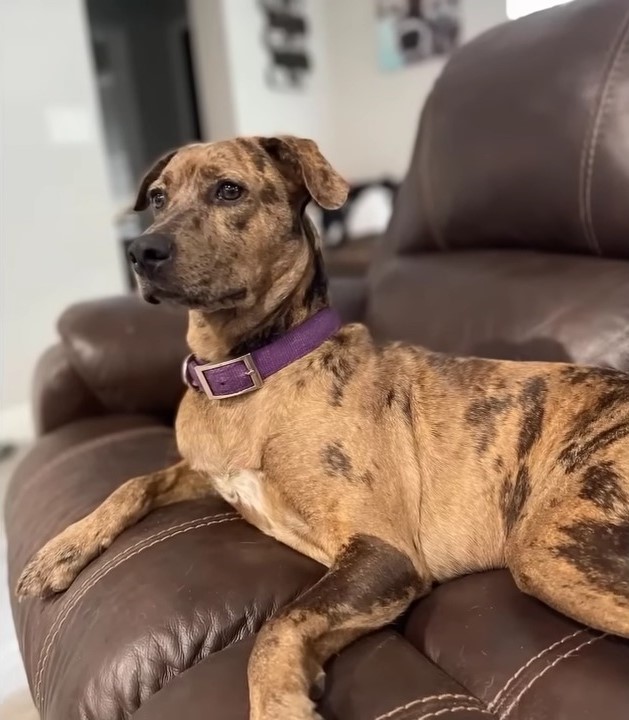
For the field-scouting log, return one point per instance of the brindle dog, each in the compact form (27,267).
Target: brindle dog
(393,466)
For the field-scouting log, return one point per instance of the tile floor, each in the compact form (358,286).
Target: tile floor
(15,699)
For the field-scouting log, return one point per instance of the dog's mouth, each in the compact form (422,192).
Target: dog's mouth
(156,293)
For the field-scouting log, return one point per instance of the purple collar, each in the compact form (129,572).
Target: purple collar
(247,373)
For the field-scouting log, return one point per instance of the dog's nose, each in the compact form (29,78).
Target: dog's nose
(148,252)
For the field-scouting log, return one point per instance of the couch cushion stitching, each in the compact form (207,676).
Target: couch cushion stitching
(457,708)
(591,141)
(431,698)
(543,672)
(130,552)
(518,672)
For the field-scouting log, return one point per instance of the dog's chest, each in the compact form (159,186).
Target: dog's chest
(243,489)
(229,448)
(219,440)
(250,493)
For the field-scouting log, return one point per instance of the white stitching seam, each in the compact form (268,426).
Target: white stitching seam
(421,701)
(499,695)
(458,708)
(618,50)
(542,672)
(110,565)
(517,674)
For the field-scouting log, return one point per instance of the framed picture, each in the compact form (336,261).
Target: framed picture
(285,36)
(410,31)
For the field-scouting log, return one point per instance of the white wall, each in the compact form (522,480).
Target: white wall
(212,68)
(520,8)
(375,113)
(245,104)
(264,110)
(57,244)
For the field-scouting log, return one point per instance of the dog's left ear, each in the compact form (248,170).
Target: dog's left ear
(302,160)
(142,200)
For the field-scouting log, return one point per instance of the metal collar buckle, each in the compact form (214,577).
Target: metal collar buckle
(251,370)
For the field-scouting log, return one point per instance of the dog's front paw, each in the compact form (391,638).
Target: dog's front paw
(284,682)
(54,568)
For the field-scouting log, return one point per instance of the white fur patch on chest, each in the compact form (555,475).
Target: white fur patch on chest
(242,488)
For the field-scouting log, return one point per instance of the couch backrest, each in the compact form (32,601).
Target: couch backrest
(510,235)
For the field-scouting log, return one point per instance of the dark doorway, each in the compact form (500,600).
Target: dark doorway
(147,90)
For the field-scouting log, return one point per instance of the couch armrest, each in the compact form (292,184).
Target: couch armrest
(127,353)
(349,297)
(182,584)
(59,394)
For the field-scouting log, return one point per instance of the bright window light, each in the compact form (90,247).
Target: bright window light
(519,8)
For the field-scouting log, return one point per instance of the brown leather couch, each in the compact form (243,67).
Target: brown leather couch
(510,239)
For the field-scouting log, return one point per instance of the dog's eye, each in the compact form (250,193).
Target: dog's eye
(158,199)
(228,191)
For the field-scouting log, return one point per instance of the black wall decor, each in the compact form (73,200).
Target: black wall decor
(285,37)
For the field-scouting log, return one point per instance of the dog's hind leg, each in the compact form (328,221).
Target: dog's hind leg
(368,586)
(575,556)
(58,563)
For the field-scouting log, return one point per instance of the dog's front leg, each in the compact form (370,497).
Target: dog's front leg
(368,586)
(58,563)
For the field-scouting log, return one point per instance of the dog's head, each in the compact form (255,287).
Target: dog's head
(228,221)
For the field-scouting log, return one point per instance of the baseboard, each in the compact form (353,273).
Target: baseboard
(16,424)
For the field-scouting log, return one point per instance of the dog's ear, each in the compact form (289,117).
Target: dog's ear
(142,200)
(301,160)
